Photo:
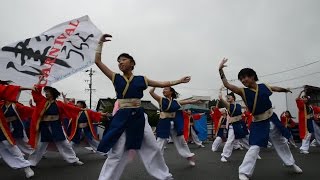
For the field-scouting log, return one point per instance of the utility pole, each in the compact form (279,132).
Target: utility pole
(90,84)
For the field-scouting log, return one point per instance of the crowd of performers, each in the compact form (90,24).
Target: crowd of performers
(26,131)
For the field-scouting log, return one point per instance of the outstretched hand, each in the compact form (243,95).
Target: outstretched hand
(152,89)
(30,102)
(197,101)
(105,38)
(41,78)
(223,62)
(104,116)
(64,95)
(185,79)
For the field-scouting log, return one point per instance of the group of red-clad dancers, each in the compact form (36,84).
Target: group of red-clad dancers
(130,132)
(29,130)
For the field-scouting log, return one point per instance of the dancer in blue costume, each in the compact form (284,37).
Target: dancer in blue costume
(266,124)
(171,122)
(129,128)
(236,128)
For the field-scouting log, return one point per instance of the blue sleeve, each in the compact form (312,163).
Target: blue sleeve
(115,78)
(145,82)
(268,89)
(164,104)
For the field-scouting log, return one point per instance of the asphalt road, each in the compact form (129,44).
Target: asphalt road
(208,166)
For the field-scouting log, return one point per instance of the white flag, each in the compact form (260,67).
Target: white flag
(57,53)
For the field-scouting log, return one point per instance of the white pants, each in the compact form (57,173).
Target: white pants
(314,143)
(12,155)
(216,143)
(149,153)
(228,147)
(64,147)
(23,145)
(236,144)
(245,142)
(179,142)
(306,141)
(280,145)
(195,137)
(93,143)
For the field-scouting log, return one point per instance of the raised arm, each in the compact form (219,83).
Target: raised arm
(37,86)
(190,101)
(20,88)
(99,63)
(154,95)
(300,94)
(163,84)
(217,103)
(64,96)
(30,103)
(279,89)
(225,82)
(224,102)
(26,88)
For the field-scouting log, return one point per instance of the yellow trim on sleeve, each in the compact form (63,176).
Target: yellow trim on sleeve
(244,96)
(228,108)
(16,111)
(179,103)
(255,100)
(146,81)
(113,77)
(160,104)
(268,87)
(90,124)
(169,105)
(46,107)
(5,132)
(234,109)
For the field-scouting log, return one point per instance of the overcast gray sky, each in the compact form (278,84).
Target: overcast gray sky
(173,38)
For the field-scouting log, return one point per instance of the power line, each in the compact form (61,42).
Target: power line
(283,71)
(295,78)
(298,67)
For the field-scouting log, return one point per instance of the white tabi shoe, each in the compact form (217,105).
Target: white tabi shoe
(243,177)
(304,152)
(191,161)
(90,149)
(296,169)
(292,143)
(78,163)
(313,145)
(223,159)
(214,150)
(259,157)
(201,146)
(29,172)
